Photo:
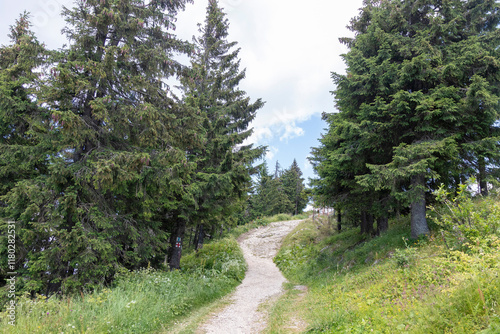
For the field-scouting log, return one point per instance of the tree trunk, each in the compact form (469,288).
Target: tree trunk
(339,220)
(196,234)
(369,223)
(382,224)
(483,185)
(366,223)
(200,236)
(418,220)
(176,240)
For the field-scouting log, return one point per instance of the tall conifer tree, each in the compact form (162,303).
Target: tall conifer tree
(23,153)
(119,164)
(293,186)
(419,101)
(211,87)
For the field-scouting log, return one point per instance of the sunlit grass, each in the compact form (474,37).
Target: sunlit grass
(143,301)
(390,284)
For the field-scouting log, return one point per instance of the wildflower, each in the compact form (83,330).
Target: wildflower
(132,302)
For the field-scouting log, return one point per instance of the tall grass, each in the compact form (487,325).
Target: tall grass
(143,301)
(391,284)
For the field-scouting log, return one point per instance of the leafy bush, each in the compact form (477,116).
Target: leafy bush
(405,257)
(221,258)
(467,223)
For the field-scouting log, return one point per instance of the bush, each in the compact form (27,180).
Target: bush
(221,258)
(467,223)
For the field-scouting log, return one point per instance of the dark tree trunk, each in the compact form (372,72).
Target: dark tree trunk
(212,232)
(382,224)
(363,222)
(366,223)
(483,185)
(200,236)
(418,220)
(176,241)
(339,220)
(195,239)
(369,223)
(192,236)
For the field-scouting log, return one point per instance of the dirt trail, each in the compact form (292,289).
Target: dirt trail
(263,280)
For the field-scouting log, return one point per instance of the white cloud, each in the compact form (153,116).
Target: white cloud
(289,49)
(271,152)
(291,131)
(307,165)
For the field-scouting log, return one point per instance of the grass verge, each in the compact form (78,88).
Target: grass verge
(286,315)
(389,284)
(143,301)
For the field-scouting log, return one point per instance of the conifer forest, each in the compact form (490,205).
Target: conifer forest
(129,150)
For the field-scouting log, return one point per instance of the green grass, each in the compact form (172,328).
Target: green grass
(389,284)
(146,300)
(143,301)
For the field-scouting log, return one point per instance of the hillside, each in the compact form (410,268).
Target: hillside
(446,283)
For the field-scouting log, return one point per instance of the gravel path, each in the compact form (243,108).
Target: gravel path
(263,280)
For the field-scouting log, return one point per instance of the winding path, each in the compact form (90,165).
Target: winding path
(263,280)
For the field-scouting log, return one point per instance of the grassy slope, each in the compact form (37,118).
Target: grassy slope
(385,285)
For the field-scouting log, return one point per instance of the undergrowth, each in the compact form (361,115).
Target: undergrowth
(445,283)
(143,301)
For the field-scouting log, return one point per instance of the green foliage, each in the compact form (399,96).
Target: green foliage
(467,224)
(142,301)
(221,258)
(405,257)
(390,284)
(283,192)
(221,178)
(418,107)
(93,167)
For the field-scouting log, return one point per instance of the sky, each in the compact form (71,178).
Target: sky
(288,47)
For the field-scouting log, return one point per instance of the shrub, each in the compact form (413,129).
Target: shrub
(466,223)
(223,257)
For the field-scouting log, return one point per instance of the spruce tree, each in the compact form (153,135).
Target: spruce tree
(23,153)
(211,87)
(118,171)
(420,99)
(293,186)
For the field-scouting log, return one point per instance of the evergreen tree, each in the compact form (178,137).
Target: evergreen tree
(419,97)
(23,155)
(293,186)
(259,200)
(211,88)
(283,194)
(118,171)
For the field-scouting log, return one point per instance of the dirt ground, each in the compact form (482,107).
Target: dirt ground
(263,281)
